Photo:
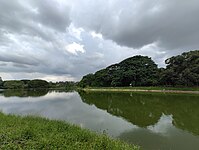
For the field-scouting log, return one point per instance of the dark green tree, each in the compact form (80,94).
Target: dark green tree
(134,71)
(1,83)
(182,70)
(13,84)
(86,81)
(38,84)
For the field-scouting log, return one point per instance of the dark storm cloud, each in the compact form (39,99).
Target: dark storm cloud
(17,15)
(53,14)
(136,23)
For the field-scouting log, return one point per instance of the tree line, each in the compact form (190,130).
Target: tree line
(181,70)
(36,84)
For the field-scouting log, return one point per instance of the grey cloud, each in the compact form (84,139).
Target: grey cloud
(172,24)
(34,17)
(3,64)
(20,65)
(53,14)
(34,35)
(19,60)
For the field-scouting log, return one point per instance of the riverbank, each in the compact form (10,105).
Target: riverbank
(37,133)
(145,89)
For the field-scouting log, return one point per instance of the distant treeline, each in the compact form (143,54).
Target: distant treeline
(181,70)
(35,84)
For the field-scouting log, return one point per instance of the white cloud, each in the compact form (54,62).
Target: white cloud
(163,125)
(74,48)
(96,35)
(75,32)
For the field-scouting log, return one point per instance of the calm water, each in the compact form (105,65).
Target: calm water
(154,121)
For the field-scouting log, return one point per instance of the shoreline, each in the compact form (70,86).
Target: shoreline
(138,90)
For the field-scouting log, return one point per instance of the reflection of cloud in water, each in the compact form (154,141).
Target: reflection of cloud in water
(69,107)
(163,136)
(163,125)
(50,96)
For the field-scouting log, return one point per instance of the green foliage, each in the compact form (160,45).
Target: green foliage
(134,71)
(67,85)
(182,70)
(13,84)
(37,133)
(1,83)
(86,80)
(25,84)
(38,84)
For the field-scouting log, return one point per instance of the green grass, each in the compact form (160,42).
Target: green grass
(186,90)
(37,133)
(151,88)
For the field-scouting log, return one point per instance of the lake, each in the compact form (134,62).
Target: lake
(155,121)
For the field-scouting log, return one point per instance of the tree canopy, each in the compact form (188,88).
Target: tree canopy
(181,70)
(134,71)
(1,82)
(25,84)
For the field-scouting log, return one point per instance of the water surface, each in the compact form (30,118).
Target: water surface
(153,120)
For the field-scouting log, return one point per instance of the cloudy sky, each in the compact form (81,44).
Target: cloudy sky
(66,39)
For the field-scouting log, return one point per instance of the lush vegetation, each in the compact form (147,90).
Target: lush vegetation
(36,84)
(135,71)
(13,85)
(37,133)
(25,84)
(181,70)
(67,85)
(1,83)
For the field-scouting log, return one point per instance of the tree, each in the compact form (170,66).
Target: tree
(13,84)
(86,80)
(39,84)
(182,70)
(1,83)
(136,71)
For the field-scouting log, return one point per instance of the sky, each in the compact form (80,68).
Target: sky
(59,40)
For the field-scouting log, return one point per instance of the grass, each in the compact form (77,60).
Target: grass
(151,88)
(37,133)
(191,90)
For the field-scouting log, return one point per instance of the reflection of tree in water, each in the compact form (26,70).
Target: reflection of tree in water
(25,93)
(144,109)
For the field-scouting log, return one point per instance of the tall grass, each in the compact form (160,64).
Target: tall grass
(37,133)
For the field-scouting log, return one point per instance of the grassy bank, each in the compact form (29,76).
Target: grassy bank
(194,90)
(37,133)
